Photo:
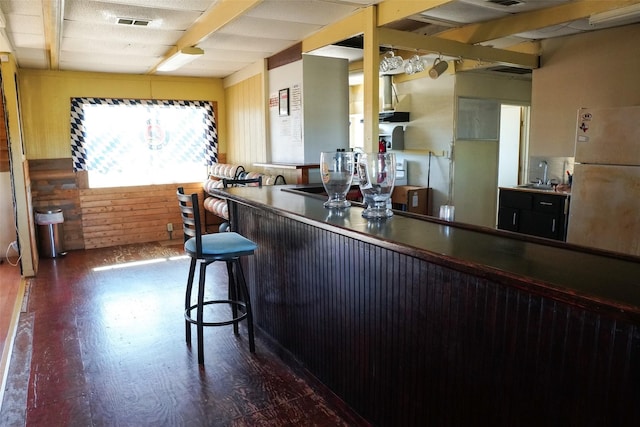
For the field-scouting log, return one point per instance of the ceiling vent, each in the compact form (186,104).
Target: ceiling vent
(133,21)
(505,2)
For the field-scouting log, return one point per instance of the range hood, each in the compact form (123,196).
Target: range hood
(393,116)
(389,114)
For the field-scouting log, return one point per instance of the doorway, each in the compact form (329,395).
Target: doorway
(482,166)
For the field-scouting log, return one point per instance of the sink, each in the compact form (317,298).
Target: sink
(537,186)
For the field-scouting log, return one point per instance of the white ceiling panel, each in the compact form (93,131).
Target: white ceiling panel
(197,5)
(104,67)
(463,13)
(267,28)
(232,55)
(118,32)
(302,11)
(549,32)
(25,40)
(29,24)
(145,61)
(248,43)
(82,45)
(107,13)
(522,6)
(24,7)
(31,56)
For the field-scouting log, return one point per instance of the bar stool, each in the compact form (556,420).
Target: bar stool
(207,249)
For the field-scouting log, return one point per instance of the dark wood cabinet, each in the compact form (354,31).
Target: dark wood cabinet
(537,213)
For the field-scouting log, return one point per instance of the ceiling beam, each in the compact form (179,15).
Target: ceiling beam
(53,15)
(411,41)
(528,21)
(222,13)
(395,10)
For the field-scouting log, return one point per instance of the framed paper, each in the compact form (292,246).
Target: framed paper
(283,102)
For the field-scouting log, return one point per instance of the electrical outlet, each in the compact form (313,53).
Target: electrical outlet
(169,226)
(14,246)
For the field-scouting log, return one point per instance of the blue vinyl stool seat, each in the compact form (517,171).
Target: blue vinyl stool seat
(207,249)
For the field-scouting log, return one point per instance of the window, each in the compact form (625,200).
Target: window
(126,142)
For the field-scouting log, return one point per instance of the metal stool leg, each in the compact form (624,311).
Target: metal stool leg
(233,293)
(247,301)
(187,299)
(200,313)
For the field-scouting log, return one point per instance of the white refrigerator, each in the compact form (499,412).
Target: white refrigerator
(605,195)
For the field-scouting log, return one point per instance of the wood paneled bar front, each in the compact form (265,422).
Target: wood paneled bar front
(413,321)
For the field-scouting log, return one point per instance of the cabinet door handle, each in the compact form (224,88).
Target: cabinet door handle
(553,225)
(514,218)
(546,203)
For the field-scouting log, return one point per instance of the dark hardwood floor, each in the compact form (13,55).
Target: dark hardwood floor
(100,342)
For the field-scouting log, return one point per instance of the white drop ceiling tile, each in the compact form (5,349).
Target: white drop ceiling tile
(549,32)
(107,13)
(232,55)
(463,13)
(26,23)
(107,64)
(100,33)
(226,66)
(103,68)
(26,40)
(81,45)
(21,7)
(523,6)
(302,11)
(245,43)
(104,58)
(333,51)
(195,5)
(196,73)
(269,29)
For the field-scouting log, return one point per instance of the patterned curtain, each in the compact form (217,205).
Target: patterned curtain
(165,127)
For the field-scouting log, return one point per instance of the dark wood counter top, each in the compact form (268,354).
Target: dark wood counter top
(583,277)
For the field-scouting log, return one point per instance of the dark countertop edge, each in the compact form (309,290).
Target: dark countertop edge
(288,165)
(537,190)
(592,302)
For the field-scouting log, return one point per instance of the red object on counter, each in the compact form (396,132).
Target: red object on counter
(382,146)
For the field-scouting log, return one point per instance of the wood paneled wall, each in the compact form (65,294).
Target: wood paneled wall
(102,217)
(54,186)
(125,215)
(246,123)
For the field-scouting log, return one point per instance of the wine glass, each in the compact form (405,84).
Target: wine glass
(377,174)
(336,171)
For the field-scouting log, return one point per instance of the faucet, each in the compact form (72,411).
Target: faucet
(545,175)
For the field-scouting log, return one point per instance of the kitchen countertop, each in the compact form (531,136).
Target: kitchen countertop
(538,190)
(582,276)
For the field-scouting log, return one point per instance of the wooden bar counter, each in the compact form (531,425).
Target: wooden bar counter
(414,321)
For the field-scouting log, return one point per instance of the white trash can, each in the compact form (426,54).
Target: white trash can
(49,232)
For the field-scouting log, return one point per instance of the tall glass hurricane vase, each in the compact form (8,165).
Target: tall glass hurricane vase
(377,174)
(336,170)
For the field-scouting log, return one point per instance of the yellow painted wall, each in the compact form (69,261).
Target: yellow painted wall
(245,102)
(594,69)
(45,102)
